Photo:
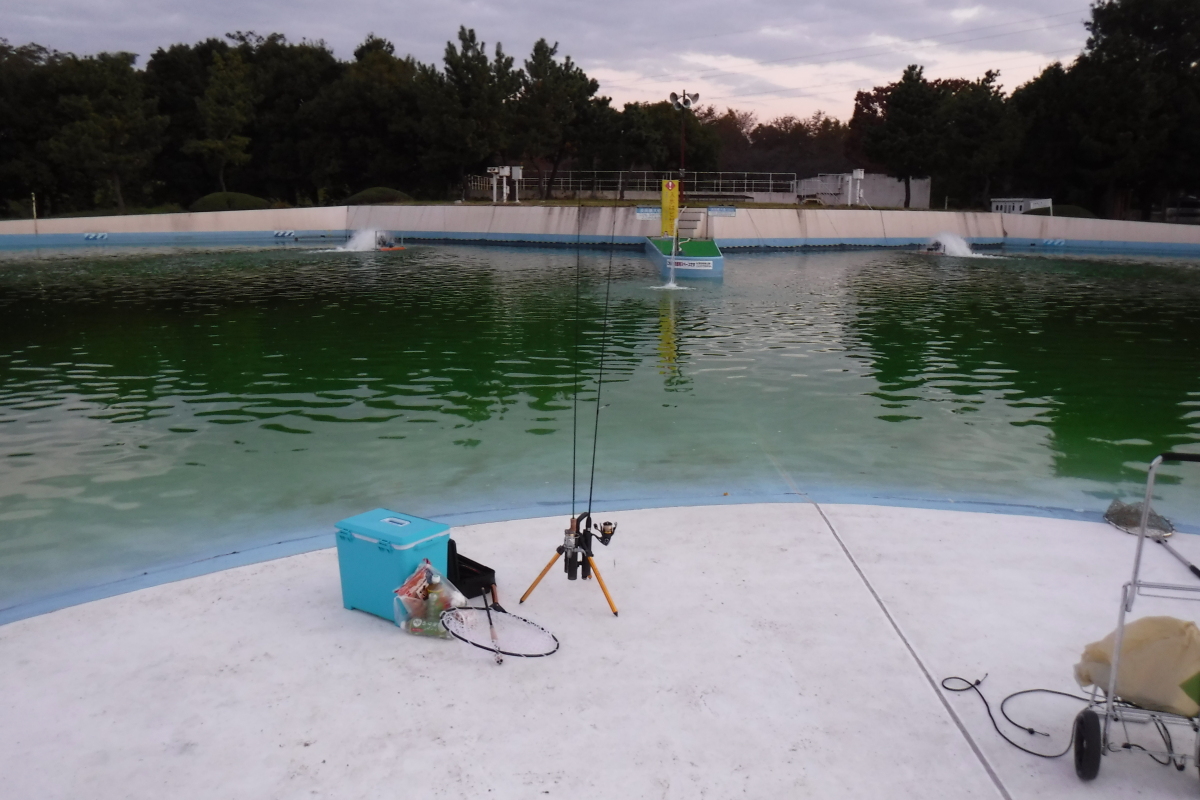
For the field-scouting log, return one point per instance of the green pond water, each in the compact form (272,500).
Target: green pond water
(160,408)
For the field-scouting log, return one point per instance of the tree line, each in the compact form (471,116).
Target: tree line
(291,123)
(1114,131)
(1117,131)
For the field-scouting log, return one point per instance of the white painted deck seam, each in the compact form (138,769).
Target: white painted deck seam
(987,766)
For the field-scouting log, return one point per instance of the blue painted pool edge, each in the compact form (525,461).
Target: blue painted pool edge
(310,541)
(315,237)
(55,241)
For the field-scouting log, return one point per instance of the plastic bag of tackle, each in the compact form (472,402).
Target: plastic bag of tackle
(422,599)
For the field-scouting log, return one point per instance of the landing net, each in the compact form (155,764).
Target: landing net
(515,636)
(1128,517)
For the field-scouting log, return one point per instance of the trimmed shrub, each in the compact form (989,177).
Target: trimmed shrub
(229,201)
(378,195)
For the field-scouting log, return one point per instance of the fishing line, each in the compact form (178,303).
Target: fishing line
(600,376)
(575,354)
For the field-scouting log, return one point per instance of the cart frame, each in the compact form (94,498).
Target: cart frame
(1091,739)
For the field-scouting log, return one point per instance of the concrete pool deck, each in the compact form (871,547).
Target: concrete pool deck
(762,650)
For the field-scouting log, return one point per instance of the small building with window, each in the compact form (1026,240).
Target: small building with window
(1020,205)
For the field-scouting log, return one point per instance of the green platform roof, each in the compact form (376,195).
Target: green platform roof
(689,248)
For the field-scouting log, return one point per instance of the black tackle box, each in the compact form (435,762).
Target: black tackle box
(469,577)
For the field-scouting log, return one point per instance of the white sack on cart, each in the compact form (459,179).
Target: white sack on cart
(1158,656)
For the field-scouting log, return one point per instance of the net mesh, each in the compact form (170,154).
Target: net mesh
(515,636)
(1128,517)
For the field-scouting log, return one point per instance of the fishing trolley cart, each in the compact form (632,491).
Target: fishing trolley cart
(1098,727)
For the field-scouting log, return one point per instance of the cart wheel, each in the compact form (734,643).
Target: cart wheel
(1088,746)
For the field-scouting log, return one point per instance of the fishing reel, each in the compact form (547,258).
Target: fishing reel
(576,548)
(576,552)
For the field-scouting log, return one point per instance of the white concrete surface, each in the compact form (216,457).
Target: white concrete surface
(269,219)
(750,227)
(751,658)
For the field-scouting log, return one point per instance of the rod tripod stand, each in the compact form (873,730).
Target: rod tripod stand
(577,552)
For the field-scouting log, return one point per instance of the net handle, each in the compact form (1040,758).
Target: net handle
(492,627)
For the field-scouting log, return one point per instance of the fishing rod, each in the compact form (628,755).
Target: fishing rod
(582,531)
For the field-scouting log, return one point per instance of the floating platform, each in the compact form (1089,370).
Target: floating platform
(764,650)
(698,258)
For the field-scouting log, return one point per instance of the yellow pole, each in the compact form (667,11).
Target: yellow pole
(670,206)
(603,588)
(538,580)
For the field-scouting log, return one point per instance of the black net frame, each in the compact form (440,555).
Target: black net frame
(475,630)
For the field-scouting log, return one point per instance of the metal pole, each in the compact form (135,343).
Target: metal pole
(33,199)
(1137,557)
(1128,594)
(682,148)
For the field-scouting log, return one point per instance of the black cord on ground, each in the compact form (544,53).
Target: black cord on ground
(968,686)
(973,686)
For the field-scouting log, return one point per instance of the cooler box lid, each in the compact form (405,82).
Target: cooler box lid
(402,531)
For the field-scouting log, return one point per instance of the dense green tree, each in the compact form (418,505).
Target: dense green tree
(1116,129)
(898,127)
(623,140)
(109,131)
(1139,81)
(671,135)
(960,133)
(177,76)
(977,137)
(735,129)
(1046,160)
(785,144)
(285,77)
(364,125)
(27,109)
(225,109)
(553,110)
(466,109)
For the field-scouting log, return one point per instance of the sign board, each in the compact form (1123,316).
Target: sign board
(1047,203)
(649,212)
(689,263)
(722,211)
(670,206)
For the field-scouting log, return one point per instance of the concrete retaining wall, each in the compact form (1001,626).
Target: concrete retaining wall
(749,228)
(509,223)
(207,228)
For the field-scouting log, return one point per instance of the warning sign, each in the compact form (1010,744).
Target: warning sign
(670,206)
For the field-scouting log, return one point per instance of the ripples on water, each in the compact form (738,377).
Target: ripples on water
(157,408)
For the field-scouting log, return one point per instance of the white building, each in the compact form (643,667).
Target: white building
(1019,205)
(860,189)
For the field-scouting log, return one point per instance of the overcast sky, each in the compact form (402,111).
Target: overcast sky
(772,57)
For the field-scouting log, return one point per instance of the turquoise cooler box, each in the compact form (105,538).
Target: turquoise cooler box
(378,550)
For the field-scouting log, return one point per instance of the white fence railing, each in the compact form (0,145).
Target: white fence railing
(619,181)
